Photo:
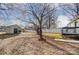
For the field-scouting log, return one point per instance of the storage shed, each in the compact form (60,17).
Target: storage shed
(13,29)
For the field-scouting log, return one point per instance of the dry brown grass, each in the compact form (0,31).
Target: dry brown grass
(53,35)
(28,44)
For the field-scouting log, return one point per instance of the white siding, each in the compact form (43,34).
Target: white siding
(57,30)
(10,29)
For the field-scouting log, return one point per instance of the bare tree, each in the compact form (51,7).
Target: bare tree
(73,10)
(40,15)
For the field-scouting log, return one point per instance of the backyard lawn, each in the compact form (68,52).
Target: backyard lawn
(28,44)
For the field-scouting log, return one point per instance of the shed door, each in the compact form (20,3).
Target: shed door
(15,30)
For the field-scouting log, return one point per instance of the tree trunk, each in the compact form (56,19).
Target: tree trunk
(40,30)
(40,35)
(37,30)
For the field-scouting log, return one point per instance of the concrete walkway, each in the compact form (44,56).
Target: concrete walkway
(69,41)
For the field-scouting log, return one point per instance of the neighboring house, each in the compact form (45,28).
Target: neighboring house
(2,28)
(12,29)
(54,30)
(71,29)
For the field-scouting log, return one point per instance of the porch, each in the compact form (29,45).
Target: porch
(72,32)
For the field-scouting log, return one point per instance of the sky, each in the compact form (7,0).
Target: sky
(62,19)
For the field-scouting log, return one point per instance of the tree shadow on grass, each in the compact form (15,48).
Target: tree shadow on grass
(5,36)
(53,43)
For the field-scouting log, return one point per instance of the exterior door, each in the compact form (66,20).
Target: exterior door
(15,30)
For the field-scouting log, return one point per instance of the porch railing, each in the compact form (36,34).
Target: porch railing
(70,30)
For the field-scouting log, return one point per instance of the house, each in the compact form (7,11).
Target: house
(53,30)
(2,28)
(72,30)
(11,29)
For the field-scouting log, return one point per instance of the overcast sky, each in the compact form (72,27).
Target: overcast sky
(62,20)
